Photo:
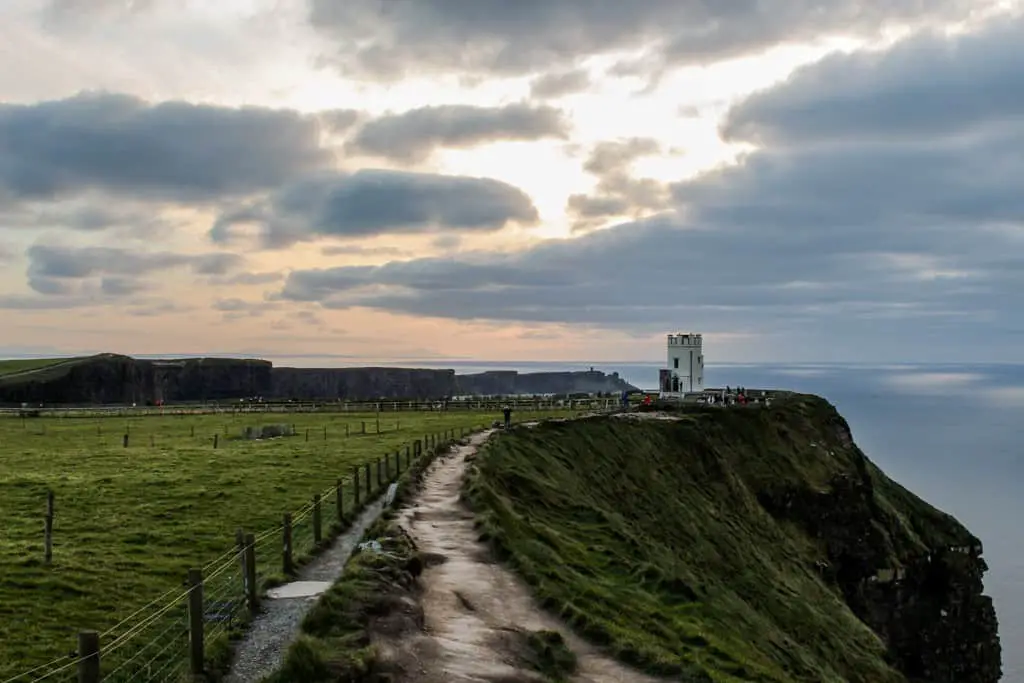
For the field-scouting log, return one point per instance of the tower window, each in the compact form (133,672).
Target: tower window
(675,362)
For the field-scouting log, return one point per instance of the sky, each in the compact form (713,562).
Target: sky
(555,180)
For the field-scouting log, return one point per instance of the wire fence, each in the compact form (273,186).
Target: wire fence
(175,636)
(354,407)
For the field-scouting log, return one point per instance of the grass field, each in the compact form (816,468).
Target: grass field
(16,365)
(130,522)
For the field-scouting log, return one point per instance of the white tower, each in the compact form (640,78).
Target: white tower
(685,364)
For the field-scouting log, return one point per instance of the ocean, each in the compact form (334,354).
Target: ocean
(952,434)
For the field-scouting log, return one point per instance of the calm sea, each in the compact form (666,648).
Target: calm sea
(950,433)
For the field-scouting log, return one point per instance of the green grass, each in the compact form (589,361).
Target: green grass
(16,365)
(130,522)
(650,537)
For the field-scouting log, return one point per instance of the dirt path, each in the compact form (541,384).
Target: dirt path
(472,606)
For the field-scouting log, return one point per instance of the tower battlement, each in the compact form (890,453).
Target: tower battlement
(685,339)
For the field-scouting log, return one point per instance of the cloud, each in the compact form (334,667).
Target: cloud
(617,193)
(67,271)
(929,85)
(808,235)
(413,135)
(390,40)
(360,250)
(374,202)
(560,83)
(174,151)
(235,308)
(248,278)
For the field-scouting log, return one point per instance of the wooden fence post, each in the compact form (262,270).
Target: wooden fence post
(398,463)
(48,529)
(355,485)
(193,429)
(307,433)
(249,559)
(340,497)
(286,554)
(325,432)
(363,426)
(124,441)
(240,544)
(380,480)
(195,621)
(318,529)
(88,657)
(387,466)
(369,483)
(216,440)
(346,429)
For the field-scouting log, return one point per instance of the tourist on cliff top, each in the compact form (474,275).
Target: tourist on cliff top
(507,411)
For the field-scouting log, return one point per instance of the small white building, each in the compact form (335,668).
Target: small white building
(685,371)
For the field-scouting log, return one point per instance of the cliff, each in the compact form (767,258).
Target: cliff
(744,544)
(115,379)
(510,382)
(110,378)
(362,383)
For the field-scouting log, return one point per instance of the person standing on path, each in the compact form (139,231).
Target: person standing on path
(507,412)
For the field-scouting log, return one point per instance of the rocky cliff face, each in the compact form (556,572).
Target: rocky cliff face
(362,383)
(915,581)
(113,379)
(109,378)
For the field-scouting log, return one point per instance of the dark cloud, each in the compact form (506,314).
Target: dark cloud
(167,151)
(373,202)
(617,193)
(390,39)
(62,270)
(411,136)
(915,236)
(929,85)
(338,120)
(122,286)
(560,83)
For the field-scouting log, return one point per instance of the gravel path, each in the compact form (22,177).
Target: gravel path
(262,650)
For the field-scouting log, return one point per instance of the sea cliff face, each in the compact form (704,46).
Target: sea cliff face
(362,383)
(114,379)
(739,544)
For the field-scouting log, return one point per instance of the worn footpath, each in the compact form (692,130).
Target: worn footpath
(473,606)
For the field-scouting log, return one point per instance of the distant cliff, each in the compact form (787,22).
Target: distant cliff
(116,379)
(110,378)
(510,382)
(362,383)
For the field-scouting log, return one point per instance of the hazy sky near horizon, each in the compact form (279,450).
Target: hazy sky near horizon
(544,179)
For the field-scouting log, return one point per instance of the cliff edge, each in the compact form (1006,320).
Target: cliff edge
(746,544)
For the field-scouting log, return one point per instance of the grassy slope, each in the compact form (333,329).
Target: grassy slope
(26,365)
(648,536)
(130,522)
